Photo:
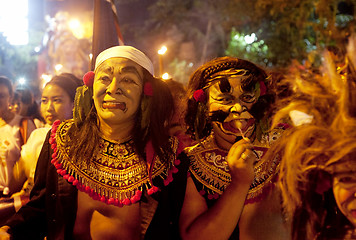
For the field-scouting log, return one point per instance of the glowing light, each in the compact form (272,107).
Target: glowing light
(21,81)
(190,64)
(74,24)
(14,26)
(45,79)
(250,38)
(165,76)
(58,67)
(37,49)
(163,50)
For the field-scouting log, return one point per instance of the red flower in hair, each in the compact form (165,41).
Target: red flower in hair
(88,78)
(147,89)
(263,88)
(199,96)
(323,184)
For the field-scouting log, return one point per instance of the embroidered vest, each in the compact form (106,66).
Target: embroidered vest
(211,171)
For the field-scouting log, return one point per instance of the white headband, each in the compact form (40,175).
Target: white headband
(125,52)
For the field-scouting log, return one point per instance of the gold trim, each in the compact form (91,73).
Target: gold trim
(208,167)
(116,171)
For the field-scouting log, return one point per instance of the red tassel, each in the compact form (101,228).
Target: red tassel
(126,202)
(111,200)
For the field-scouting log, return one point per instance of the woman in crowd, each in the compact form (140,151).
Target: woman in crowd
(14,131)
(57,103)
(25,105)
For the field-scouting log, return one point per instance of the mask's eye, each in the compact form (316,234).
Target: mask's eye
(223,98)
(346,180)
(248,98)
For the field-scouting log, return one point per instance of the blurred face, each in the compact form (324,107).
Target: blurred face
(4,99)
(55,104)
(229,107)
(117,90)
(344,188)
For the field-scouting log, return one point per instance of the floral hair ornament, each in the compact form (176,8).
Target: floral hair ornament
(263,88)
(323,184)
(88,78)
(199,96)
(83,98)
(147,89)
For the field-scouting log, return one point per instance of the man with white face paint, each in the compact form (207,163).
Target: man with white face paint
(111,172)
(231,193)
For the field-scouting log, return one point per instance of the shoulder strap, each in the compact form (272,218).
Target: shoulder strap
(23,129)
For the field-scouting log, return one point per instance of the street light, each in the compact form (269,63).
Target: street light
(161,51)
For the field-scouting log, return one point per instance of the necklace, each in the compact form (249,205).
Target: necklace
(116,175)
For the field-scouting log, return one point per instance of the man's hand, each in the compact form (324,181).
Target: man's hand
(241,160)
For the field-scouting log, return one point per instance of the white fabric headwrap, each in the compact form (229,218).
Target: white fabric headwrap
(125,52)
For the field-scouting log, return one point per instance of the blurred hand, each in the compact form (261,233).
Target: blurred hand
(3,233)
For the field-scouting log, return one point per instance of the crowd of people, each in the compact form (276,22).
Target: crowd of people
(239,153)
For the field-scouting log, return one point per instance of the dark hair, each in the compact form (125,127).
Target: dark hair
(7,82)
(68,82)
(152,121)
(196,117)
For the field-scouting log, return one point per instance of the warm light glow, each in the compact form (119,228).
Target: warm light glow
(45,79)
(165,76)
(163,50)
(14,21)
(58,67)
(76,28)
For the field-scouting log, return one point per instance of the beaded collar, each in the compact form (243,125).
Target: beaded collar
(116,175)
(208,167)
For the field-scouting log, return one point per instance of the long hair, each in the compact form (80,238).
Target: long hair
(197,118)
(152,121)
(309,150)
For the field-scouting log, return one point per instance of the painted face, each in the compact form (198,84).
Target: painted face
(229,107)
(55,104)
(4,99)
(117,90)
(344,188)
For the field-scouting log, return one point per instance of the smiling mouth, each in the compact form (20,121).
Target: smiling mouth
(115,105)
